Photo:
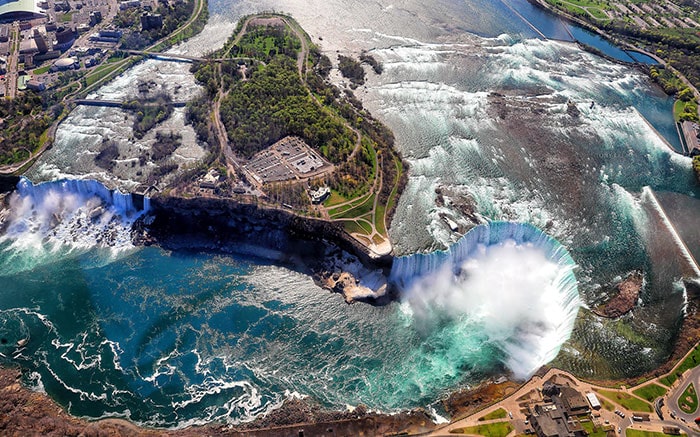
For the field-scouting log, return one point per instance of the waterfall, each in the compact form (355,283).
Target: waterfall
(510,279)
(69,214)
(123,203)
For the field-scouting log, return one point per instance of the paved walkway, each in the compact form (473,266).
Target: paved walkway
(516,406)
(692,376)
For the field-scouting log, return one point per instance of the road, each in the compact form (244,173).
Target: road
(691,376)
(13,62)
(530,389)
(11,78)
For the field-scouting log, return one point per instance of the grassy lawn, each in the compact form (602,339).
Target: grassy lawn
(574,10)
(359,227)
(99,72)
(691,361)
(668,380)
(334,199)
(639,433)
(650,392)
(41,70)
(598,14)
(355,202)
(359,210)
(607,404)
(678,109)
(365,226)
(496,414)
(688,402)
(65,18)
(379,219)
(498,429)
(627,401)
(592,430)
(590,4)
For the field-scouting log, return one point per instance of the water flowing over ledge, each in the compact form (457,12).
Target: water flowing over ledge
(70,215)
(125,203)
(504,295)
(511,279)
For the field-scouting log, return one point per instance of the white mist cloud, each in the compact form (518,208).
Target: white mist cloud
(524,302)
(55,218)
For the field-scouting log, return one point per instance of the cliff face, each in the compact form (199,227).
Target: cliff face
(228,221)
(8,183)
(319,247)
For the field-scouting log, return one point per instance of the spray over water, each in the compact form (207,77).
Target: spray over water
(57,218)
(509,280)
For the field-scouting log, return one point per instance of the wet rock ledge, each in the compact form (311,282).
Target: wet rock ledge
(625,299)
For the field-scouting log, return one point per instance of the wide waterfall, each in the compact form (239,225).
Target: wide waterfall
(511,279)
(85,188)
(62,216)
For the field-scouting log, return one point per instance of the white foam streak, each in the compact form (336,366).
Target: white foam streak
(64,217)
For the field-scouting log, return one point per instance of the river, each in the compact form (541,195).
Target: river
(479,104)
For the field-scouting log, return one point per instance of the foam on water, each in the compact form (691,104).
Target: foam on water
(53,219)
(512,280)
(172,339)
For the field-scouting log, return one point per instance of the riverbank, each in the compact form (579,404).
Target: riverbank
(625,45)
(320,248)
(25,412)
(213,224)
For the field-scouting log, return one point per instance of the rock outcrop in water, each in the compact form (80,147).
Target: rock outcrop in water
(626,298)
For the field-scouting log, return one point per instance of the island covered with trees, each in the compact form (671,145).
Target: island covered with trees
(283,135)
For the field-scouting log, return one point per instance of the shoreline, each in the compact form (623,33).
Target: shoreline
(459,403)
(303,227)
(622,44)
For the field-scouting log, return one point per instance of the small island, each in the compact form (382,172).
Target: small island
(626,296)
(289,153)
(283,136)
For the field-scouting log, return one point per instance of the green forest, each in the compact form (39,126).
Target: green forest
(267,92)
(24,121)
(273,102)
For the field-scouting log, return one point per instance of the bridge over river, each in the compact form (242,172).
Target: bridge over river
(186,58)
(121,104)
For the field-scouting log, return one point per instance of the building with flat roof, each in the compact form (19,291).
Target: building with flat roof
(19,10)
(593,400)
(36,85)
(549,421)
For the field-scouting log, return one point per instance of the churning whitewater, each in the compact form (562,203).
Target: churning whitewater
(516,284)
(138,331)
(53,219)
(483,112)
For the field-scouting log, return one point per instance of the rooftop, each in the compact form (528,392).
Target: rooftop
(11,10)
